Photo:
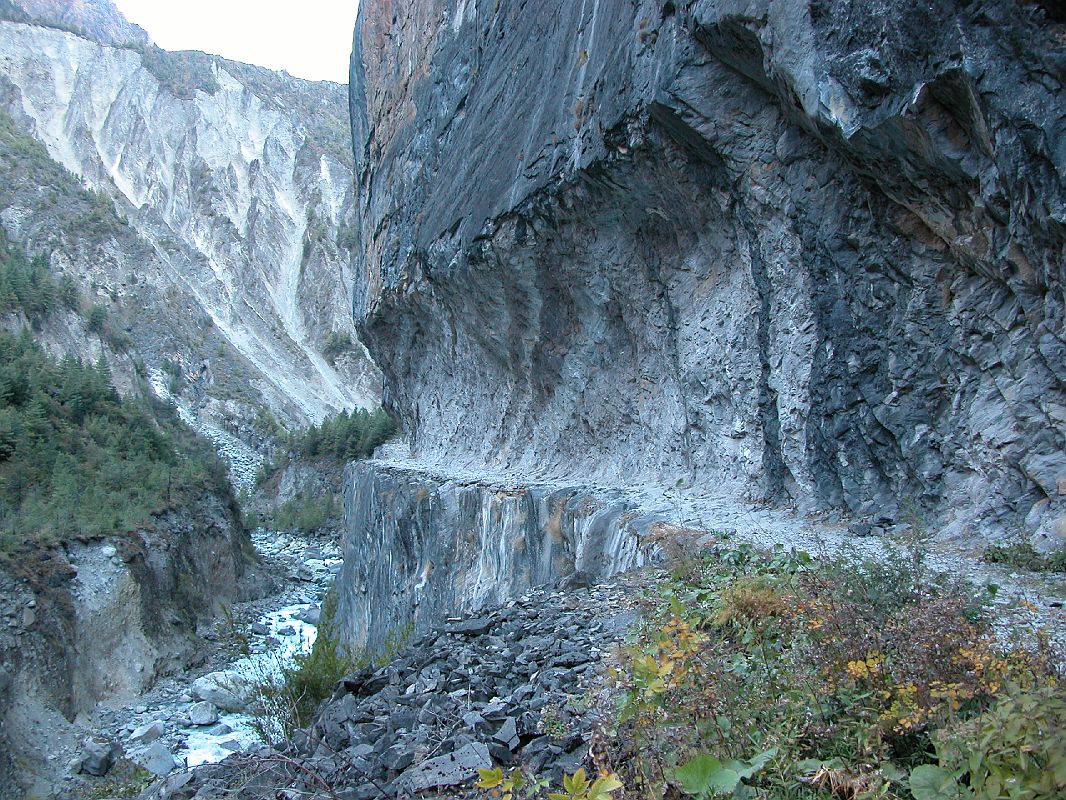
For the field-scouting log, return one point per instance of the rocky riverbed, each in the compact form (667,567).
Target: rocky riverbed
(518,683)
(203,716)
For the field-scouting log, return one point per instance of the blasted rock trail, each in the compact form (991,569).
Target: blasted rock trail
(497,688)
(808,253)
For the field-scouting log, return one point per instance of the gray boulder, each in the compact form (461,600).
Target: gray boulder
(203,713)
(155,758)
(447,770)
(148,732)
(228,690)
(97,757)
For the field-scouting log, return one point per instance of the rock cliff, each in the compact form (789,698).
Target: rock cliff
(808,253)
(421,545)
(100,20)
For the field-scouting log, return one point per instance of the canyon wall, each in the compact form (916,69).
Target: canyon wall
(804,253)
(421,545)
(84,623)
(209,199)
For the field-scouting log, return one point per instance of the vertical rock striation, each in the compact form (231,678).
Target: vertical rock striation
(421,545)
(803,252)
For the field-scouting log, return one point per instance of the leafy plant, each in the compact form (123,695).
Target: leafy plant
(705,776)
(518,784)
(839,673)
(1017,749)
(507,786)
(579,787)
(1022,555)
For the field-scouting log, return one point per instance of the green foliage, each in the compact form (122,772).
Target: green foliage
(82,213)
(337,343)
(705,776)
(314,675)
(346,435)
(98,219)
(172,370)
(508,785)
(840,675)
(1022,555)
(268,423)
(930,782)
(97,319)
(27,285)
(291,703)
(303,513)
(76,460)
(579,787)
(1015,749)
(516,783)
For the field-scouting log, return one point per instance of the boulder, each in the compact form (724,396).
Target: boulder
(228,690)
(148,732)
(447,770)
(203,713)
(97,757)
(155,758)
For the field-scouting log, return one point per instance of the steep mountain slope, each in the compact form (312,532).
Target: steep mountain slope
(809,253)
(235,183)
(99,20)
(119,533)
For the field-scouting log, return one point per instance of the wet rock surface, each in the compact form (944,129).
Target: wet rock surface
(512,685)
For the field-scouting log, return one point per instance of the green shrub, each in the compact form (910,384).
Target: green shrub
(303,513)
(773,675)
(337,343)
(291,702)
(346,435)
(97,319)
(1016,749)
(1022,555)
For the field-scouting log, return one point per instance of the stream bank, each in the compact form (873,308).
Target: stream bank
(208,711)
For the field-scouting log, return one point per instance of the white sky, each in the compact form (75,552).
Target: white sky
(308,38)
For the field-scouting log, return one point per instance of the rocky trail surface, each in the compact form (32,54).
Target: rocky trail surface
(512,684)
(201,717)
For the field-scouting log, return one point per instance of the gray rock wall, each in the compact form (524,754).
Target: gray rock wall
(420,546)
(807,252)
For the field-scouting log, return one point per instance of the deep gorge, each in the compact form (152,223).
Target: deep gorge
(640,283)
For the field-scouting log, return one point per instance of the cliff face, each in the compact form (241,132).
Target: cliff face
(423,545)
(235,186)
(806,252)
